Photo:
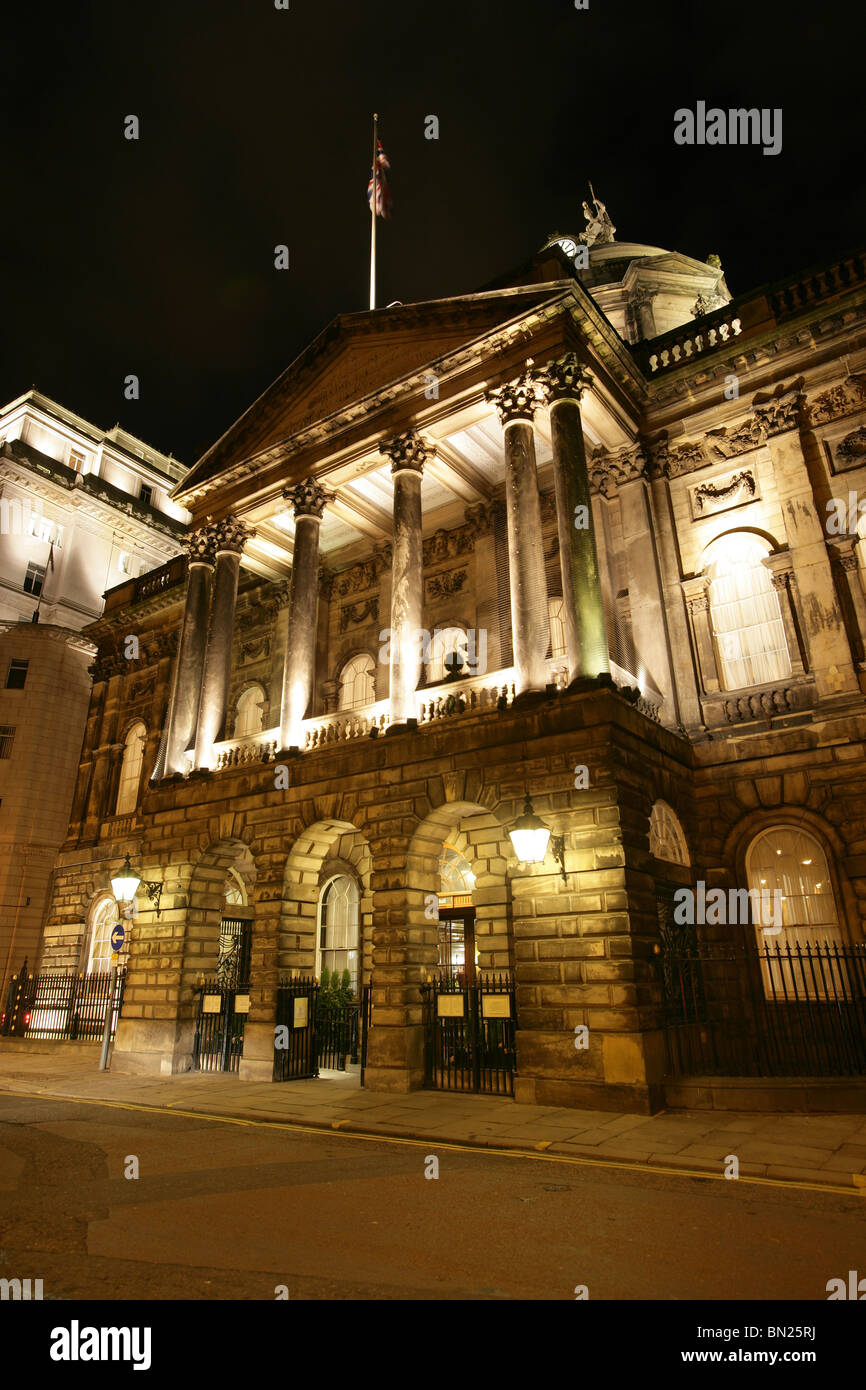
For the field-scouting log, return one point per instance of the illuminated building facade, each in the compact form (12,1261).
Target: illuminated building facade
(566,540)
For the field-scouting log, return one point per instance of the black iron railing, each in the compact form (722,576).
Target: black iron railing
(337,1034)
(61,1005)
(469,1033)
(295,1041)
(220,1025)
(792,1010)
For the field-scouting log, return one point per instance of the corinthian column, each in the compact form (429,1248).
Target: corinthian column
(228,539)
(308,501)
(186,694)
(408,454)
(516,405)
(586,635)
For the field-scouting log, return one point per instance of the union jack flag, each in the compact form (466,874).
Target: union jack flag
(383,191)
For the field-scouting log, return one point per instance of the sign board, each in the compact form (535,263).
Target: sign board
(242,1003)
(212,1004)
(496,1005)
(118,936)
(449,1006)
(301,1012)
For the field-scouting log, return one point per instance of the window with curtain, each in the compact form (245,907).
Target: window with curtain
(557,628)
(357,682)
(340,928)
(249,712)
(746,619)
(790,861)
(130,771)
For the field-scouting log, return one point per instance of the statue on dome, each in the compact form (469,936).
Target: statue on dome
(599,228)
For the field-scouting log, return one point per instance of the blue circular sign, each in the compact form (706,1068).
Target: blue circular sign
(118,936)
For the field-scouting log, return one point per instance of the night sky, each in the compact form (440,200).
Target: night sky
(156,257)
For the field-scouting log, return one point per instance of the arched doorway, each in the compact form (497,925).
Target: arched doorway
(467,991)
(222,921)
(325,955)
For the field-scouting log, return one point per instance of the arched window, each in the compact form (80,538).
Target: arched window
(744,611)
(790,866)
(339,928)
(666,837)
(234,892)
(104,915)
(130,771)
(357,682)
(449,653)
(250,709)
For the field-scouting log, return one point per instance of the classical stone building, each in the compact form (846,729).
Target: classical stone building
(568,539)
(80,508)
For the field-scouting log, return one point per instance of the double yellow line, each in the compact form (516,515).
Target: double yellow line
(338,1128)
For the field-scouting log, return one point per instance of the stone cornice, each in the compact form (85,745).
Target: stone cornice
(69,637)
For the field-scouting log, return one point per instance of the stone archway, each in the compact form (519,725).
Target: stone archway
(321,849)
(205,910)
(406,953)
(483,841)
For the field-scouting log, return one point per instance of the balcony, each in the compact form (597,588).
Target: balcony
(447,700)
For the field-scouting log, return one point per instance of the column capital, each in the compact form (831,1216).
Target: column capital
(565,378)
(200,546)
(407,452)
(230,534)
(308,498)
(519,399)
(844,547)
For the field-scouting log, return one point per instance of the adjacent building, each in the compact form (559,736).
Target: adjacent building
(80,509)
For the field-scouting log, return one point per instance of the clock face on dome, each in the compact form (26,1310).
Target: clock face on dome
(568,246)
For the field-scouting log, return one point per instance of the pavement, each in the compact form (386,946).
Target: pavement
(819,1150)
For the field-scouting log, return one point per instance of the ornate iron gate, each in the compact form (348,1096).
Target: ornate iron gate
(295,1038)
(469,1034)
(219,1028)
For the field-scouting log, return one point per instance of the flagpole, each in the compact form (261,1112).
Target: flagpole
(374,201)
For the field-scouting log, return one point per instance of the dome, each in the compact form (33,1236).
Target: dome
(644,290)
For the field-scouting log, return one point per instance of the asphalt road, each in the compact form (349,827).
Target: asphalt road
(231,1211)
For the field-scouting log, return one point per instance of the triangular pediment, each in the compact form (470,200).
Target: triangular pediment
(356,356)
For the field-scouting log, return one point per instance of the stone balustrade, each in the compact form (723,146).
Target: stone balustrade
(254,748)
(702,335)
(474,695)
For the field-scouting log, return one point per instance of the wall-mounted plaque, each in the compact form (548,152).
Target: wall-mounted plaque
(496,1006)
(242,1003)
(449,1006)
(301,1012)
(212,1004)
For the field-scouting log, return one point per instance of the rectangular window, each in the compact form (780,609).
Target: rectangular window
(77,460)
(146,494)
(34,578)
(45,530)
(7,738)
(17,674)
